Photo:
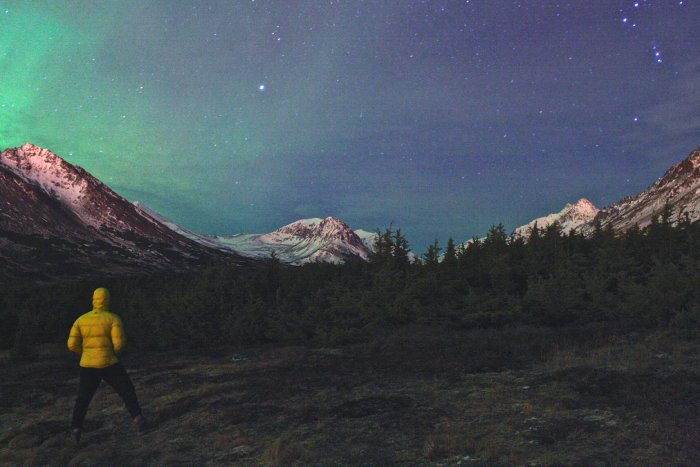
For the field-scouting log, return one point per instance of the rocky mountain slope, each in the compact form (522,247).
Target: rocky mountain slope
(303,241)
(679,188)
(571,217)
(57,220)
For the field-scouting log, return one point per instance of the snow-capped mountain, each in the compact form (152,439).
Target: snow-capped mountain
(57,220)
(304,241)
(679,187)
(572,217)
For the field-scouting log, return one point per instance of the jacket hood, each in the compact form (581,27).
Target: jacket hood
(100,299)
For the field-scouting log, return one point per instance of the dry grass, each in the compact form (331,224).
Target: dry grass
(526,396)
(284,451)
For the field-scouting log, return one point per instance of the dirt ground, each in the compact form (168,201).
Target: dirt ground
(521,396)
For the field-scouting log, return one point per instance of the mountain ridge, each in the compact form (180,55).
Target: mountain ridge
(53,209)
(303,241)
(678,188)
(570,218)
(57,220)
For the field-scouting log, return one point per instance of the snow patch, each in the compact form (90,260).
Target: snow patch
(303,241)
(52,174)
(570,218)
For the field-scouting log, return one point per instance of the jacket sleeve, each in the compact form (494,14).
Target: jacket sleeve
(75,339)
(118,339)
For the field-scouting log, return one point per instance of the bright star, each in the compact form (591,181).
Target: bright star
(261,87)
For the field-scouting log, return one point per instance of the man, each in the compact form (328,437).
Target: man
(98,336)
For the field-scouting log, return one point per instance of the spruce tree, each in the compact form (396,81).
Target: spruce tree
(450,258)
(432,255)
(383,246)
(400,250)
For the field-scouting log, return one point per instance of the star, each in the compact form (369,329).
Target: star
(261,88)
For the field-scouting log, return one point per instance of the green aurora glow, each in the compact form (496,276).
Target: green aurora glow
(68,87)
(442,116)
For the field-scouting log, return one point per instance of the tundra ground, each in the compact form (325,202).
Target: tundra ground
(519,396)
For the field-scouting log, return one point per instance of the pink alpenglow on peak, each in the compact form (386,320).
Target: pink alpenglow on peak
(39,166)
(94,203)
(571,217)
(678,188)
(328,240)
(52,205)
(303,241)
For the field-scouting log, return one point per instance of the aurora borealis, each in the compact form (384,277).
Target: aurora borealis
(442,116)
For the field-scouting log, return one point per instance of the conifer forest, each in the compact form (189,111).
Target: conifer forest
(642,278)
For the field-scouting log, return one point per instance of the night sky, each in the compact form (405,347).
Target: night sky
(443,117)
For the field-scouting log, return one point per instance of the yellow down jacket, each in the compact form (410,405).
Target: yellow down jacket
(98,334)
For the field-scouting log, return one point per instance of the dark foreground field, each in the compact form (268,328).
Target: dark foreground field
(525,396)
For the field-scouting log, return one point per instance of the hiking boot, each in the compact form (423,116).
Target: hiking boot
(75,434)
(140,423)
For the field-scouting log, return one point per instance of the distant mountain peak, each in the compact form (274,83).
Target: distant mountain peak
(571,217)
(332,228)
(52,205)
(582,210)
(39,166)
(303,241)
(328,229)
(583,203)
(678,188)
(29,150)
(332,221)
(688,167)
(30,159)
(300,228)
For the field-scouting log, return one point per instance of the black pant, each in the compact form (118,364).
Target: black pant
(115,375)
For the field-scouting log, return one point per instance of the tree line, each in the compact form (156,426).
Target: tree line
(643,277)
